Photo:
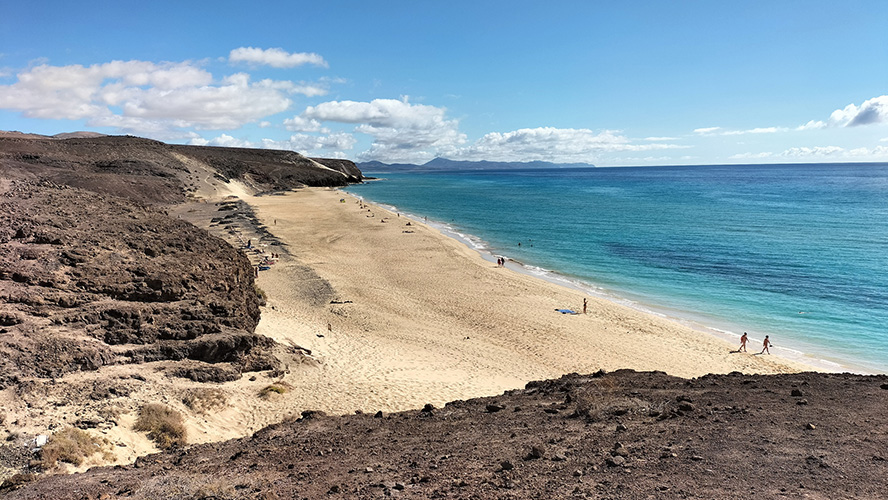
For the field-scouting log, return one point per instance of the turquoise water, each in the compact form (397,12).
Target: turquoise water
(797,252)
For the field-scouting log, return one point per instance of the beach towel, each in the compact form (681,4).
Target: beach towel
(566,311)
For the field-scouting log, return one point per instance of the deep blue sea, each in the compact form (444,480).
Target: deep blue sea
(797,252)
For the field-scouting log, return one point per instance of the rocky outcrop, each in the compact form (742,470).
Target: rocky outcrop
(153,172)
(94,272)
(88,280)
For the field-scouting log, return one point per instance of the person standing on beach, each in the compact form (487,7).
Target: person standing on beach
(584,305)
(765,345)
(742,343)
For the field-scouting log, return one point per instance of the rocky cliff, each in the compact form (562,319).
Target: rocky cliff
(94,272)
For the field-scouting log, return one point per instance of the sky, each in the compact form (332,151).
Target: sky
(610,83)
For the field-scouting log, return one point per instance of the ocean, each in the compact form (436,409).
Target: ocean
(797,252)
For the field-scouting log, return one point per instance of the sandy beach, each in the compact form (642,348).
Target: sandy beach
(398,315)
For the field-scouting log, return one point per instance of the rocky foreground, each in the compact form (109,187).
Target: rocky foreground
(623,435)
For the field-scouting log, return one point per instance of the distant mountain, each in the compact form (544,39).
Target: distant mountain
(439,164)
(66,135)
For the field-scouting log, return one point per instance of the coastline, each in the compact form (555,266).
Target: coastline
(398,316)
(728,332)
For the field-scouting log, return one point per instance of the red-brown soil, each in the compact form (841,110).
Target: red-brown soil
(624,435)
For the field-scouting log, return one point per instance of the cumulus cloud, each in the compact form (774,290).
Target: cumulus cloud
(553,144)
(401,131)
(223,140)
(405,132)
(872,111)
(307,144)
(161,100)
(813,125)
(276,58)
(329,145)
(302,124)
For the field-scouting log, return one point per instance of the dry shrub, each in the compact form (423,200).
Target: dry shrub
(202,400)
(71,445)
(260,293)
(163,424)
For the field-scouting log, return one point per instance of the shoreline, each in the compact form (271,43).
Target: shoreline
(432,313)
(697,321)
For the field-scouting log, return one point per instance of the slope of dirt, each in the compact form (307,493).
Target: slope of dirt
(624,435)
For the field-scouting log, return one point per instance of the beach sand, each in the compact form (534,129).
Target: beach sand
(400,315)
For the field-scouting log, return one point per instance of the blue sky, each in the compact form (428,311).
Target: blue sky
(609,83)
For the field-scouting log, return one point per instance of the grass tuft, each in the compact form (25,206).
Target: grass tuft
(73,446)
(202,400)
(163,424)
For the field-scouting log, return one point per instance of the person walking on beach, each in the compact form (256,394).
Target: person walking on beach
(765,345)
(742,347)
(584,305)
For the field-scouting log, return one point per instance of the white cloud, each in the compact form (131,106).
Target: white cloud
(553,144)
(872,111)
(223,140)
(159,100)
(813,125)
(817,151)
(710,131)
(276,58)
(302,124)
(313,144)
(863,153)
(751,156)
(405,132)
(659,139)
(706,130)
(401,131)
